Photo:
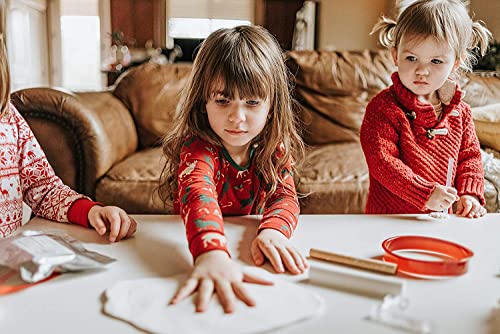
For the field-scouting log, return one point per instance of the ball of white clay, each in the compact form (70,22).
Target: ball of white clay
(439,215)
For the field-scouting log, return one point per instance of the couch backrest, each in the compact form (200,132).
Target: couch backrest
(334,88)
(151,93)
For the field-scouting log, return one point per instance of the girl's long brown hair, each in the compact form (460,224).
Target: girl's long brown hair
(4,79)
(249,61)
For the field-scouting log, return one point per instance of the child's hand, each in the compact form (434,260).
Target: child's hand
(469,206)
(119,223)
(215,271)
(274,246)
(441,198)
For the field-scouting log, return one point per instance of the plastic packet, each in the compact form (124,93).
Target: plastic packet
(36,254)
(391,312)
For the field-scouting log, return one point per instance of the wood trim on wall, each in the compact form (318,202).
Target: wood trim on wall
(160,23)
(54,42)
(260,12)
(105,34)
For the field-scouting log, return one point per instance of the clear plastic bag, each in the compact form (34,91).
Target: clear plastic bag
(391,312)
(36,254)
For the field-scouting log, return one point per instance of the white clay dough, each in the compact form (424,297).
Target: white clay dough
(144,303)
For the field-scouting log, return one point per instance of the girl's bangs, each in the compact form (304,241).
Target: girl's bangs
(232,79)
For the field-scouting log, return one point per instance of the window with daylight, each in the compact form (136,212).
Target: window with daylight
(80,45)
(198,18)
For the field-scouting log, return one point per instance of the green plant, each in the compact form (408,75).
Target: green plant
(491,60)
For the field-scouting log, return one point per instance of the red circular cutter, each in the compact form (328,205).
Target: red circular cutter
(441,257)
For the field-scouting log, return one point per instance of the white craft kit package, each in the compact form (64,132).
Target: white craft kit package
(144,303)
(36,255)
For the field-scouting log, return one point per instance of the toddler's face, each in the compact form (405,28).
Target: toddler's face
(236,121)
(424,64)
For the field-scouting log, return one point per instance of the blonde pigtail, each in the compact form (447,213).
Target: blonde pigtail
(480,38)
(385,26)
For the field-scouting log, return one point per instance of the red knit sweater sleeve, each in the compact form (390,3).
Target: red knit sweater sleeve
(199,207)
(470,175)
(281,210)
(380,131)
(78,212)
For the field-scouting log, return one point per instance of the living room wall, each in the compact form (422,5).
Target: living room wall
(347,24)
(489,12)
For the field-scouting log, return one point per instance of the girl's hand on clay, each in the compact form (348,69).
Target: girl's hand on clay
(215,272)
(469,206)
(274,246)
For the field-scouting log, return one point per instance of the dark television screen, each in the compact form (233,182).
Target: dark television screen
(188,47)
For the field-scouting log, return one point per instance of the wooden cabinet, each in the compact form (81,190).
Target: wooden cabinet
(278,16)
(140,21)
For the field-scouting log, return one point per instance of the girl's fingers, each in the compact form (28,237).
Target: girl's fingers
(299,259)
(226,295)
(257,256)
(288,260)
(132,228)
(250,278)
(124,225)
(205,292)
(241,293)
(114,226)
(273,256)
(185,290)
(476,211)
(467,208)
(460,208)
(99,225)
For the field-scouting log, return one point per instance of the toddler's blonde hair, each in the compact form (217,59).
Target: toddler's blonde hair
(446,20)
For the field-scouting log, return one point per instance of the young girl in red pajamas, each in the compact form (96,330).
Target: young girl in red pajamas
(412,128)
(233,151)
(26,175)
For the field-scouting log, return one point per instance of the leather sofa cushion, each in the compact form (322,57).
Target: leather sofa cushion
(487,124)
(481,88)
(133,183)
(336,176)
(334,89)
(151,92)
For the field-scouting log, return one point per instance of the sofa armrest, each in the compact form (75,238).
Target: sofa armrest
(83,135)
(487,124)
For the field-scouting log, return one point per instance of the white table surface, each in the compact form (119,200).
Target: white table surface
(72,303)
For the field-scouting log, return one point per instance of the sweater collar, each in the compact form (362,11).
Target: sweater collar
(449,94)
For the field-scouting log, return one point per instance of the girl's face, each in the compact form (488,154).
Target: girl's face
(424,65)
(237,121)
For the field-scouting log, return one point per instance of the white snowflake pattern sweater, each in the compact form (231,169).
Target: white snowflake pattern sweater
(26,175)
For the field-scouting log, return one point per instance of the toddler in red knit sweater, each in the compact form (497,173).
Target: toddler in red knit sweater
(25,175)
(411,129)
(233,151)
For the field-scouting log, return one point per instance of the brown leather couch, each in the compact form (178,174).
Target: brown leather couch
(105,144)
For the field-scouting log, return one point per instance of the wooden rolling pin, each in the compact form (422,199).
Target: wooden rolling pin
(367,264)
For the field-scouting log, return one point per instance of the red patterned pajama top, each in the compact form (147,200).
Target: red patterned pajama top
(26,175)
(211,185)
